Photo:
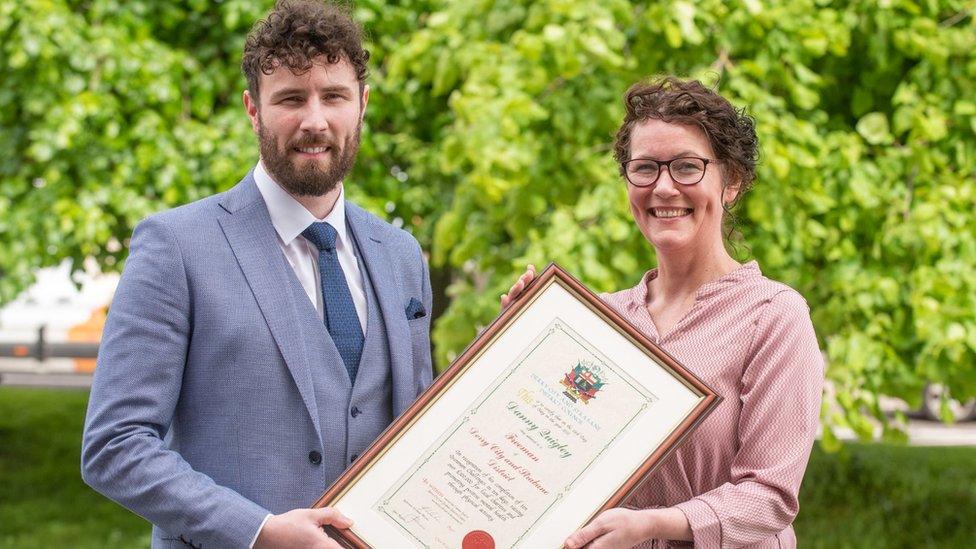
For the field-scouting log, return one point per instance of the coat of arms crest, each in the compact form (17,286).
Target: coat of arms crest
(581,383)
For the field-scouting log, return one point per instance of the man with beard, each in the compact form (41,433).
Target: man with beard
(260,339)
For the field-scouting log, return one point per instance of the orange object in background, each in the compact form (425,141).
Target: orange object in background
(89,331)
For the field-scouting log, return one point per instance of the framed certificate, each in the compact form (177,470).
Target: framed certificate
(553,414)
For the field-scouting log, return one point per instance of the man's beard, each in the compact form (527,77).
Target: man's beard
(308,178)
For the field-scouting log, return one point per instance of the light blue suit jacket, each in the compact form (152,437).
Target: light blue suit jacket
(202,414)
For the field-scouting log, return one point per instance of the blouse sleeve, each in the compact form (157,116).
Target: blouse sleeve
(781,390)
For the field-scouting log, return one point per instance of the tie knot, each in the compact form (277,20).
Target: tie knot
(322,235)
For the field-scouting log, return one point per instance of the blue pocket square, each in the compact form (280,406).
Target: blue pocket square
(415,309)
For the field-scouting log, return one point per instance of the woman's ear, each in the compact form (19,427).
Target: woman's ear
(730,192)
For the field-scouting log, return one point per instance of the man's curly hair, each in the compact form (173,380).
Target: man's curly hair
(730,131)
(295,33)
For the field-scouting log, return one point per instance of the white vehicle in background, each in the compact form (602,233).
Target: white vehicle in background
(55,326)
(932,405)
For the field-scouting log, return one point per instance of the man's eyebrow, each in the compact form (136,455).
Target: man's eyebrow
(286,92)
(336,88)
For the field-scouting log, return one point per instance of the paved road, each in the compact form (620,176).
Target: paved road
(920,432)
(48,380)
(931,433)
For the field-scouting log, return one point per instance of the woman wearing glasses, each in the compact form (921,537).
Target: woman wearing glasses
(687,155)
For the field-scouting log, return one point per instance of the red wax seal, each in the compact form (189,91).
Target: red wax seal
(478,539)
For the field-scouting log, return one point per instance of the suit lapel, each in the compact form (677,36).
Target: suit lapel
(386,285)
(251,235)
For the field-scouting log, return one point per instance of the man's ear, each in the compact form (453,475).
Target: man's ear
(251,106)
(363,100)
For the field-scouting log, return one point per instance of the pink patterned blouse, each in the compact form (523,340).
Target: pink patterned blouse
(738,475)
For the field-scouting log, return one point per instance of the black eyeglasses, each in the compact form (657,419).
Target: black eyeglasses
(644,172)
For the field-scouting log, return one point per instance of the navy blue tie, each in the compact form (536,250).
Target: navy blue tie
(340,313)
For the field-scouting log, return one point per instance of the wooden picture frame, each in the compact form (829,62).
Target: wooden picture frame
(556,412)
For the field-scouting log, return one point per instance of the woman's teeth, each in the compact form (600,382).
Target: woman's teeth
(670,212)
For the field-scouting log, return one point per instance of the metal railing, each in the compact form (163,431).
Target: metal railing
(42,349)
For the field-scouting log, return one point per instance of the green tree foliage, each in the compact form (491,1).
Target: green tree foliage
(489,136)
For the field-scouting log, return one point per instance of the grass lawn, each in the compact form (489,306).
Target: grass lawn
(867,496)
(877,495)
(43,501)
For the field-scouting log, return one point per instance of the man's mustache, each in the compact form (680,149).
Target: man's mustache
(315,141)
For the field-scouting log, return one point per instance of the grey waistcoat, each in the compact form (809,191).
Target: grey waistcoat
(351,417)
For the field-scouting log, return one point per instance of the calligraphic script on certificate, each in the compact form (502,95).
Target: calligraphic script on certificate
(556,412)
(524,443)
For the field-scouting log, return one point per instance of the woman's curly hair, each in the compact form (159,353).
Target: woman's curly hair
(730,131)
(295,33)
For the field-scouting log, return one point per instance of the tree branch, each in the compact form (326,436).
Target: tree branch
(723,62)
(956,18)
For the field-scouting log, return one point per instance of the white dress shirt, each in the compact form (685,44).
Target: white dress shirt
(290,218)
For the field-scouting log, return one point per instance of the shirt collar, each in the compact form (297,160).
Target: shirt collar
(638,294)
(288,216)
